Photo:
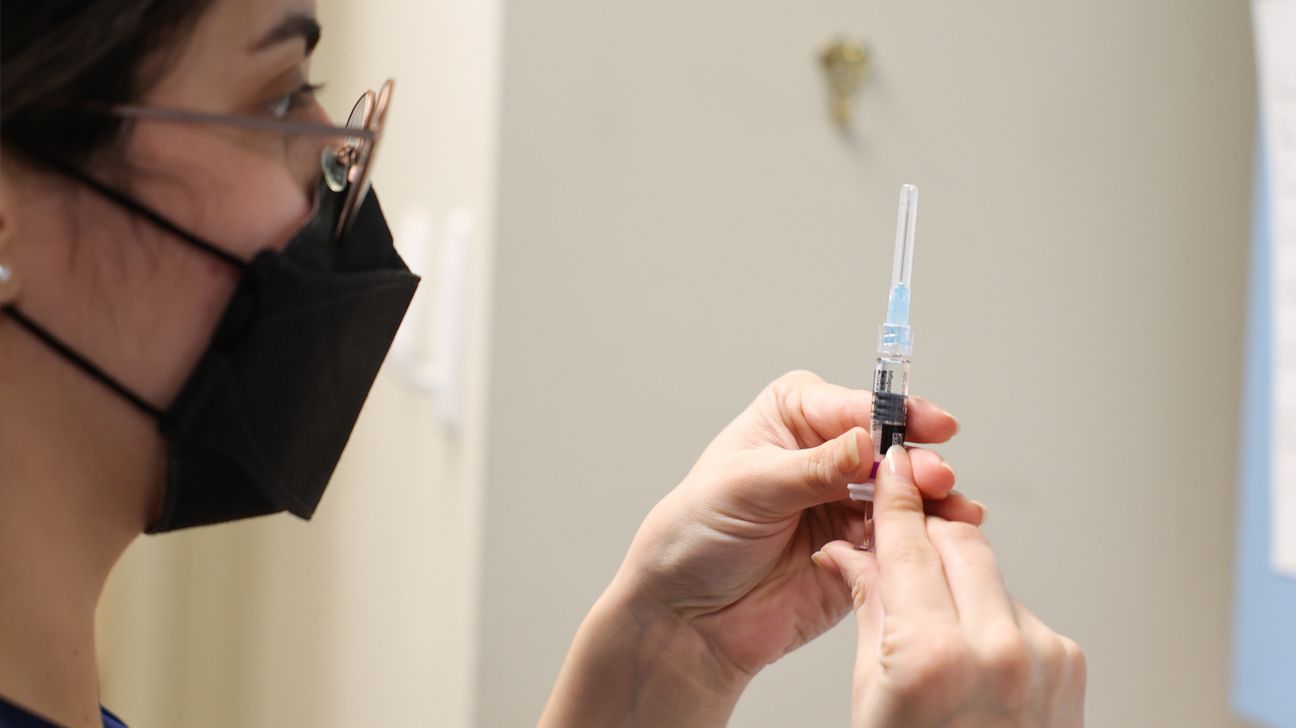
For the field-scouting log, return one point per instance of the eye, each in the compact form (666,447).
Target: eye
(301,96)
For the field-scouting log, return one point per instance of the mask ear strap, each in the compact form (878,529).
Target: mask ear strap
(122,200)
(39,332)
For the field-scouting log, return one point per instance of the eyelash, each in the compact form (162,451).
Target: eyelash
(301,96)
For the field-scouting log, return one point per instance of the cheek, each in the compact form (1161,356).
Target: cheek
(177,315)
(243,193)
(128,297)
(262,207)
(241,199)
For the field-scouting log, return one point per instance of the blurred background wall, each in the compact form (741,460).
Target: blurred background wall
(660,217)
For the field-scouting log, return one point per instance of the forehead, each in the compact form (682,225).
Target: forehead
(219,60)
(243,22)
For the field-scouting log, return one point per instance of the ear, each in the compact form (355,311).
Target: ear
(8,276)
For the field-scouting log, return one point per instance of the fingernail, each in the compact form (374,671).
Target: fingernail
(958,426)
(892,459)
(852,449)
(975,503)
(825,562)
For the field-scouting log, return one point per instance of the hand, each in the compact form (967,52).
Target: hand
(727,553)
(718,582)
(941,642)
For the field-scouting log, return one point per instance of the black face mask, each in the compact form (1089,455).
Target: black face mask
(261,421)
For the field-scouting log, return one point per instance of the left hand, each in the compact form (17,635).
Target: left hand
(942,644)
(728,552)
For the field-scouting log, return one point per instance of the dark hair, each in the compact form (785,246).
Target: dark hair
(61,59)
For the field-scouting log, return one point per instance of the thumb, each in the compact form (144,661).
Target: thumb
(858,570)
(801,479)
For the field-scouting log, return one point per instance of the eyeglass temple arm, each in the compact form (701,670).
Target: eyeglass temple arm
(244,122)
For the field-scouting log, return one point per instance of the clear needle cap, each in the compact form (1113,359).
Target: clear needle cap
(895,337)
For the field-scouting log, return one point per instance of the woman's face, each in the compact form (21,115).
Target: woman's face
(132,299)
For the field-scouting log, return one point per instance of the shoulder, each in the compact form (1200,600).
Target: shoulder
(13,716)
(110,720)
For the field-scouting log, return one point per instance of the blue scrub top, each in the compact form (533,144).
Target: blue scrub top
(11,716)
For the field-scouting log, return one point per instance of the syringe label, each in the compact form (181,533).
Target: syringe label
(883,380)
(889,409)
(891,435)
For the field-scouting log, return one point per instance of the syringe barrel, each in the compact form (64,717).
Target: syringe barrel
(890,413)
(889,419)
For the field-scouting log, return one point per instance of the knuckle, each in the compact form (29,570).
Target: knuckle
(818,468)
(1005,657)
(955,532)
(790,383)
(800,376)
(1051,655)
(1075,657)
(828,466)
(906,505)
(860,590)
(1051,652)
(783,399)
(940,664)
(913,554)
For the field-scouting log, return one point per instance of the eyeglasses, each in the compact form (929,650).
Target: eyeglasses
(346,165)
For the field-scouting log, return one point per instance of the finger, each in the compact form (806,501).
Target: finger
(912,579)
(929,423)
(858,571)
(973,575)
(953,507)
(794,480)
(1026,618)
(815,411)
(957,507)
(933,476)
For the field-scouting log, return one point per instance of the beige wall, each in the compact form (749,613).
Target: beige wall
(678,224)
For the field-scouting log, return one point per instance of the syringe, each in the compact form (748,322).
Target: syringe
(895,344)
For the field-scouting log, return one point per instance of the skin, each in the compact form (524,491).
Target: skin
(718,583)
(719,580)
(941,641)
(753,555)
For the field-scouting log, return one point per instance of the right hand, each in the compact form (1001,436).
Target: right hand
(941,642)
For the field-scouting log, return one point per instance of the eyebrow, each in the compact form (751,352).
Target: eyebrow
(294,27)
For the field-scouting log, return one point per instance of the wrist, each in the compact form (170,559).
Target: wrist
(627,605)
(634,661)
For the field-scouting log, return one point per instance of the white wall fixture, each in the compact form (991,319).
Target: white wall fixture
(452,311)
(429,349)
